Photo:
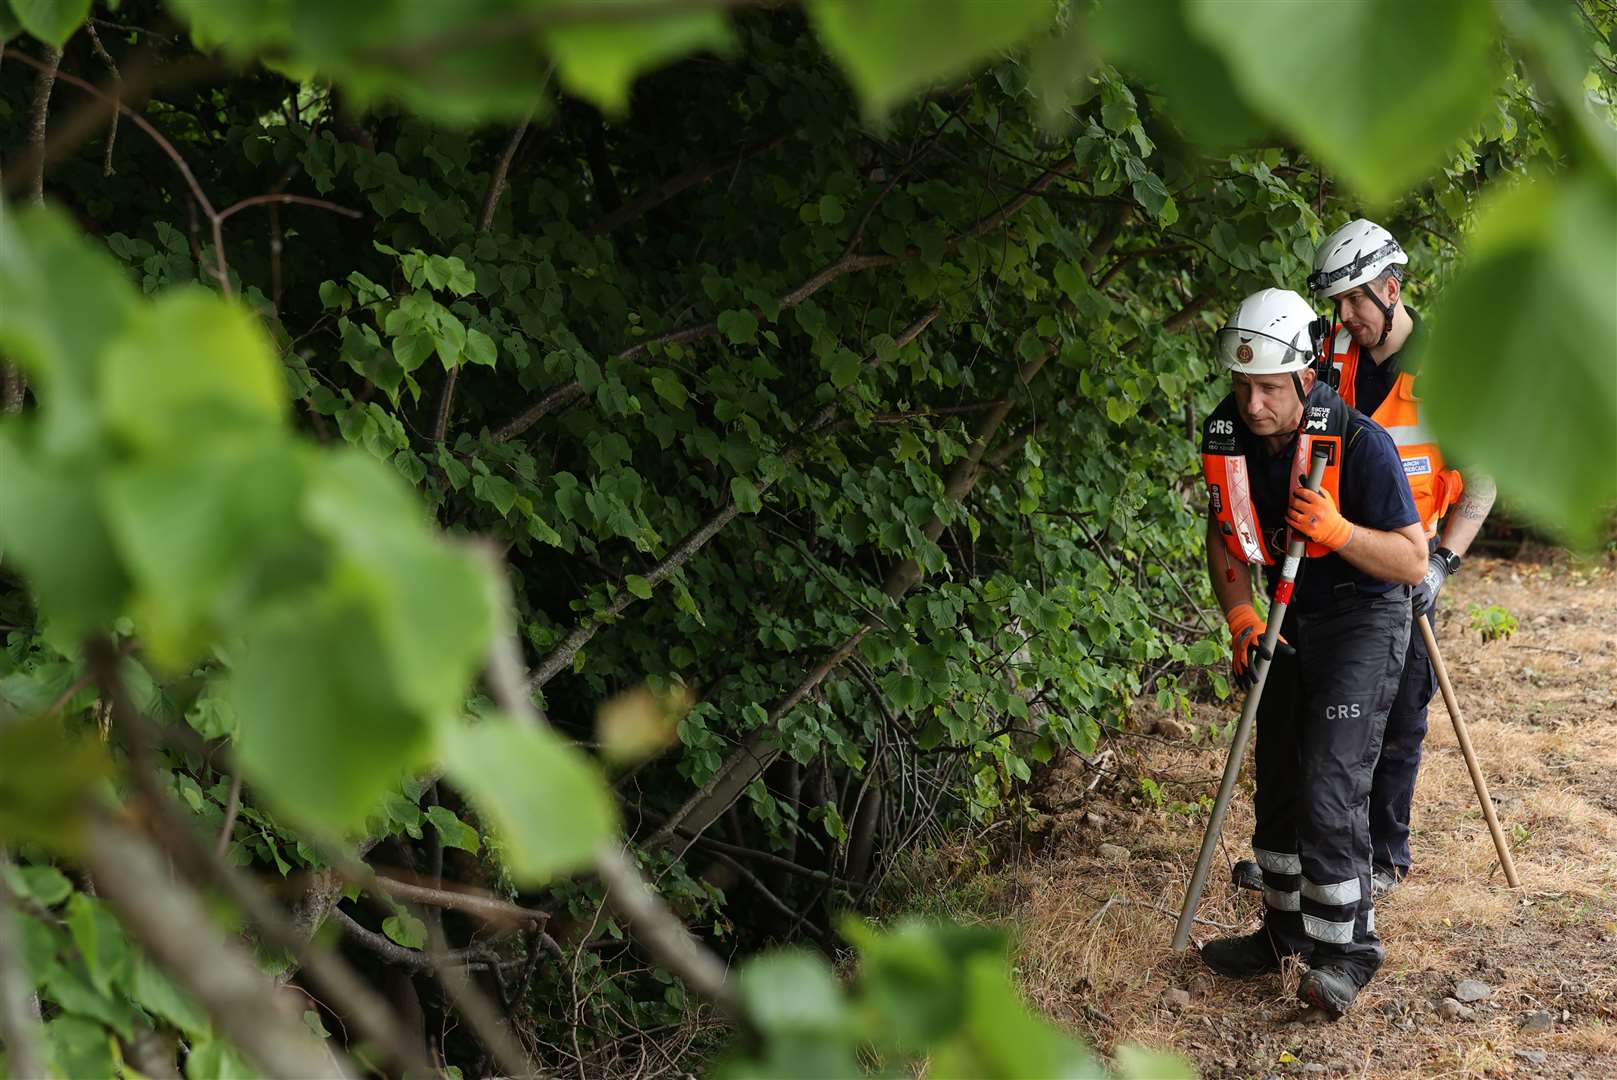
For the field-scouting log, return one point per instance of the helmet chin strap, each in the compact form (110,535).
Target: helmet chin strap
(1386,313)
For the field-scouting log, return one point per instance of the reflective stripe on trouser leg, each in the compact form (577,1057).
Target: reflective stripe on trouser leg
(1281,900)
(1334,933)
(1279,862)
(1335,894)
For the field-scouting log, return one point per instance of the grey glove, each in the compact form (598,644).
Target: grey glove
(1425,595)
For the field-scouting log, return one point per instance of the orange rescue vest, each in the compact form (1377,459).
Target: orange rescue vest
(1226,444)
(1434,486)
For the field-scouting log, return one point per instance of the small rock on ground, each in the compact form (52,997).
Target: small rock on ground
(1537,1022)
(1469,990)
(1533,1057)
(1453,1010)
(1313,1067)
(1113,853)
(1171,729)
(1176,998)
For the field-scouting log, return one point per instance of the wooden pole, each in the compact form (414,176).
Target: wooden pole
(1464,738)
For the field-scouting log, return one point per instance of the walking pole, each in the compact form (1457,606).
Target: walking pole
(1249,712)
(1464,738)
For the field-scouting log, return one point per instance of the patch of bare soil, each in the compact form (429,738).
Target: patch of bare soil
(1542,710)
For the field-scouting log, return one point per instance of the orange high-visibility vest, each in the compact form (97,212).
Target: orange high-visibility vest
(1226,444)
(1434,486)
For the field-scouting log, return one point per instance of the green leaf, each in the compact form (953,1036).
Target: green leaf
(152,991)
(204,536)
(51,21)
(191,366)
(599,61)
(51,525)
(431,601)
(670,389)
(214,1059)
(479,348)
(46,802)
(545,798)
(638,585)
(321,731)
(1538,283)
(745,493)
(405,929)
(100,941)
(791,991)
(45,885)
(1146,1063)
(1153,40)
(1422,77)
(895,48)
(739,327)
(831,211)
(452,831)
(411,350)
(845,368)
(79,1047)
(45,267)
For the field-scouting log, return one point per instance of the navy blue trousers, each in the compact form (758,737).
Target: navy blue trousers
(1393,787)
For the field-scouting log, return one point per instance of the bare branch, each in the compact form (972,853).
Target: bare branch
(279,198)
(232,808)
(481,904)
(117,91)
(496,180)
(39,115)
(475,1006)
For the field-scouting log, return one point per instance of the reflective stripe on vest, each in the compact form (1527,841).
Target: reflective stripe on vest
(1435,487)
(1228,476)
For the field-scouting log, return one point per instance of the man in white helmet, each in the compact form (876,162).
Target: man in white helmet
(1374,350)
(1324,706)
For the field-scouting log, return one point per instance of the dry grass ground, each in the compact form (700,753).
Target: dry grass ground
(1542,708)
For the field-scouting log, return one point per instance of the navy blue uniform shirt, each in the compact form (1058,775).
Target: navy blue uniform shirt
(1373,382)
(1373,492)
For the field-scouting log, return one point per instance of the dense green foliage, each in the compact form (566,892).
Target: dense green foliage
(858,429)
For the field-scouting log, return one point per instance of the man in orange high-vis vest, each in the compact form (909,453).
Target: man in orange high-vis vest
(1374,349)
(1325,702)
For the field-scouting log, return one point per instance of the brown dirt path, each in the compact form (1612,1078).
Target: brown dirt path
(1542,709)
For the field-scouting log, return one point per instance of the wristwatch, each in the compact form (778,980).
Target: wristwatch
(1450,560)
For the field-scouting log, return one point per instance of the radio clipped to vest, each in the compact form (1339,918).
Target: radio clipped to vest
(1228,453)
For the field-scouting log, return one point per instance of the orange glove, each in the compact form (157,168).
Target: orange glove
(1314,514)
(1246,640)
(1246,635)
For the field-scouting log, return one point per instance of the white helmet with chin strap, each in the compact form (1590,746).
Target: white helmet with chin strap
(1273,332)
(1355,255)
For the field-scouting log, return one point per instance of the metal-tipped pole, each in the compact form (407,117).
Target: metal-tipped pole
(1464,738)
(1249,712)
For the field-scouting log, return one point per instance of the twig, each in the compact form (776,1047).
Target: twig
(281,198)
(19,1008)
(232,808)
(1577,657)
(1174,914)
(475,1006)
(117,91)
(491,908)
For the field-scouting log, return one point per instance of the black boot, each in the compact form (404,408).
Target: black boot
(1246,874)
(1330,989)
(1242,957)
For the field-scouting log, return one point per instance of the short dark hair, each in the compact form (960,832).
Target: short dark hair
(1395,272)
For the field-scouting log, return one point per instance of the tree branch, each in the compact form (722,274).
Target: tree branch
(490,908)
(170,922)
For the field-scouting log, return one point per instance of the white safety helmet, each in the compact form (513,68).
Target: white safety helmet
(1354,254)
(1270,333)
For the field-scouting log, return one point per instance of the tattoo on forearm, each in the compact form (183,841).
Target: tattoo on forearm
(1478,498)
